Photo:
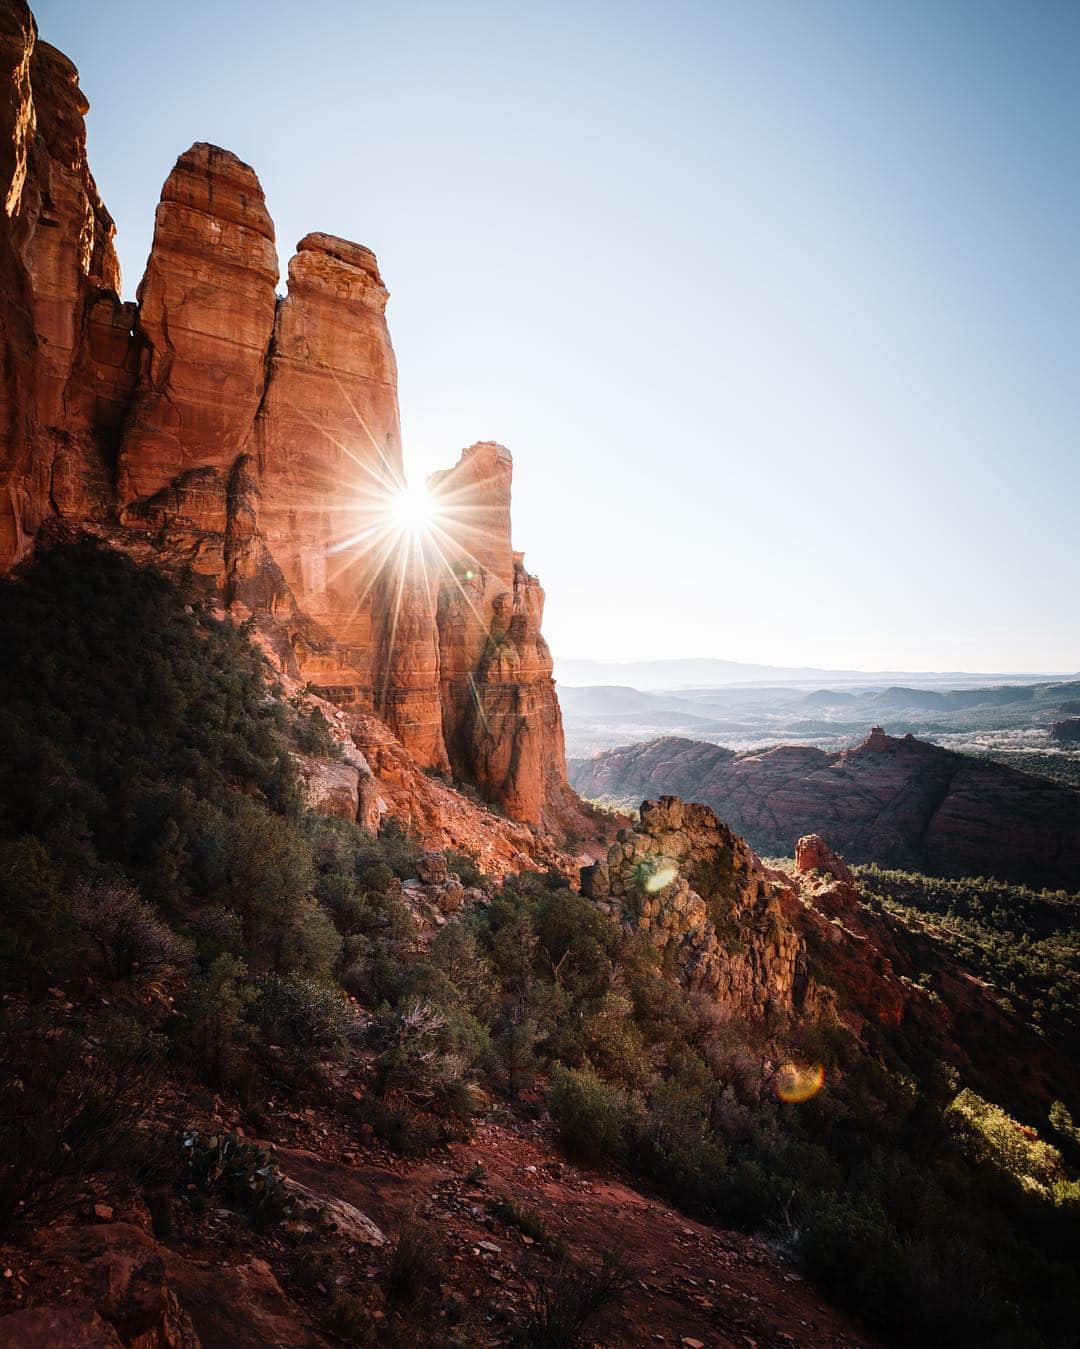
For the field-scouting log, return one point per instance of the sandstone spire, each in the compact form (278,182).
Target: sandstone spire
(206,312)
(253,444)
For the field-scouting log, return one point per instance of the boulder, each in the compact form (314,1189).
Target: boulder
(329,786)
(344,1217)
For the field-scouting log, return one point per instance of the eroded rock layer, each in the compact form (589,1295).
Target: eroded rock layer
(253,444)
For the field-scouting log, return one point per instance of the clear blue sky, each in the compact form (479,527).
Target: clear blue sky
(776,302)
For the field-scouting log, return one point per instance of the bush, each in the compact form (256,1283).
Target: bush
(595,1119)
(129,936)
(988,1133)
(37,928)
(417,1263)
(563,1303)
(424,1057)
(306,1020)
(678,1147)
(527,1221)
(68,1109)
(464,867)
(311,734)
(213,1030)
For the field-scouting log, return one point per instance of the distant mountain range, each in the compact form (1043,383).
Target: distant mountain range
(897,801)
(705,672)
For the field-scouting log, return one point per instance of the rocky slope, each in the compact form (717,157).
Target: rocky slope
(252,445)
(898,802)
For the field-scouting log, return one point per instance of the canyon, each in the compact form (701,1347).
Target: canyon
(249,444)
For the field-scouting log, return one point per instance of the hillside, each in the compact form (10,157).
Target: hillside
(897,802)
(452,1093)
(331,1014)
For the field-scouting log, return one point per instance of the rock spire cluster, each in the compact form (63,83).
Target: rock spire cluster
(252,442)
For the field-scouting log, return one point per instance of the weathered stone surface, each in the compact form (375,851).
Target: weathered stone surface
(118,1270)
(686,882)
(346,1218)
(812,853)
(329,787)
(501,718)
(240,1305)
(206,312)
(329,442)
(53,1326)
(66,363)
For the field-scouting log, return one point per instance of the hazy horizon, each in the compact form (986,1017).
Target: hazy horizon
(800,669)
(776,305)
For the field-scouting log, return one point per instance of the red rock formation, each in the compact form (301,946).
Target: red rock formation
(206,311)
(65,340)
(897,801)
(812,853)
(1066,732)
(501,717)
(694,889)
(254,444)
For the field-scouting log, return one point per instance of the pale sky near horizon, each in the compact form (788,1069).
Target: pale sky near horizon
(776,302)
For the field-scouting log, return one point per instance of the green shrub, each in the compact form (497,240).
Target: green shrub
(213,1030)
(305,1020)
(311,734)
(595,1119)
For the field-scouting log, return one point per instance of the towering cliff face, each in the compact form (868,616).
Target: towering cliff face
(66,346)
(206,311)
(254,444)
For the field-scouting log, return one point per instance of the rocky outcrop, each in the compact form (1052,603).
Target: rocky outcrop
(252,444)
(1066,732)
(115,1273)
(330,458)
(812,853)
(66,346)
(900,802)
(682,879)
(501,719)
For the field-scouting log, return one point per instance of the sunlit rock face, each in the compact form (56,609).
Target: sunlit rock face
(695,889)
(206,311)
(501,718)
(252,444)
(66,347)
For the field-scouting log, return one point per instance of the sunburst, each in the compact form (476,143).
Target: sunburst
(400,536)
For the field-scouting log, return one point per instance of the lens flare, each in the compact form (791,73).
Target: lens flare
(661,877)
(412,508)
(795,1083)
